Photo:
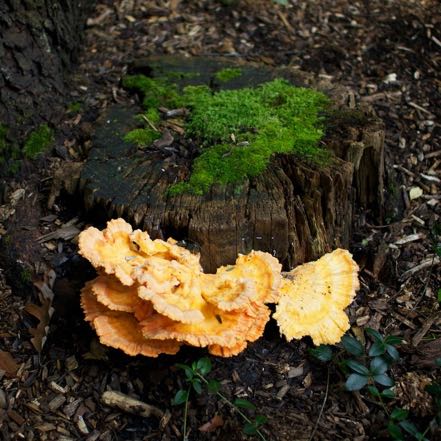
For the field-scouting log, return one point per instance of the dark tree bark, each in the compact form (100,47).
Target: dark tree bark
(39,40)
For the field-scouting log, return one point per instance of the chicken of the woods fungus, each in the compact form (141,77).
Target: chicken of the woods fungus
(151,296)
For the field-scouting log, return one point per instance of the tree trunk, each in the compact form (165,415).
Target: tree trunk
(39,40)
(295,210)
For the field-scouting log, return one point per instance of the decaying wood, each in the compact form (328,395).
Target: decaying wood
(130,405)
(295,210)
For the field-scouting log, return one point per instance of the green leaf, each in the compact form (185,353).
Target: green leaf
(356,382)
(378,365)
(204,366)
(375,335)
(249,429)
(213,386)
(393,340)
(384,380)
(352,345)
(357,367)
(373,390)
(434,389)
(439,295)
(180,397)
(399,414)
(388,393)
(197,386)
(395,432)
(260,419)
(378,348)
(411,428)
(322,353)
(245,404)
(187,369)
(393,352)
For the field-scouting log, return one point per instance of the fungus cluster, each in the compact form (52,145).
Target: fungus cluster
(151,296)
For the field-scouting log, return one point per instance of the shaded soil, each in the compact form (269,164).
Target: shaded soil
(390,54)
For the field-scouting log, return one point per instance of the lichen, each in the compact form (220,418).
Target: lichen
(228,74)
(239,130)
(38,141)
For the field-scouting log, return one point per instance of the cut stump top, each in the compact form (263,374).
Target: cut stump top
(295,210)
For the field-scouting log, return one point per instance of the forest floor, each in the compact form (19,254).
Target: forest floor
(389,53)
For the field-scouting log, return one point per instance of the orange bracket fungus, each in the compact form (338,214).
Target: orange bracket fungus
(151,296)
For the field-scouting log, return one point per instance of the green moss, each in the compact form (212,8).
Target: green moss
(240,130)
(142,137)
(26,276)
(228,74)
(153,115)
(74,107)
(156,92)
(38,141)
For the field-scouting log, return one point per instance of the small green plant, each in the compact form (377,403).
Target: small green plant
(195,377)
(370,370)
(38,141)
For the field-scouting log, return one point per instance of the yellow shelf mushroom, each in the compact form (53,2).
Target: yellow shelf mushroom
(151,296)
(313,297)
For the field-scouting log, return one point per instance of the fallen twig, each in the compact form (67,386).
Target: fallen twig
(130,405)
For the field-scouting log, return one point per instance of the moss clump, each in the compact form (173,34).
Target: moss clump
(156,91)
(38,141)
(74,107)
(228,74)
(239,130)
(142,137)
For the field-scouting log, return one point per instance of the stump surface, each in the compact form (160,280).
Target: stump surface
(295,210)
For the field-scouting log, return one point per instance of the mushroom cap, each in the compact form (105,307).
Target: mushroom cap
(313,297)
(121,330)
(223,328)
(111,249)
(119,250)
(227,351)
(173,288)
(254,278)
(167,250)
(112,293)
(90,305)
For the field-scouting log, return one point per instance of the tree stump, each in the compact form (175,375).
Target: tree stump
(296,210)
